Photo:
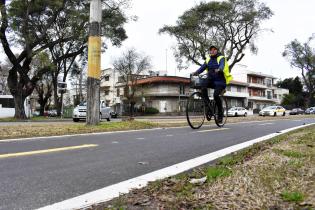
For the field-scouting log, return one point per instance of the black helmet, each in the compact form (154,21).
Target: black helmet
(210,48)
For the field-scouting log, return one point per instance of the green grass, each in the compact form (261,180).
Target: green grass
(215,172)
(289,153)
(292,196)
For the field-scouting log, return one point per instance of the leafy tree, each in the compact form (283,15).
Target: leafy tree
(131,67)
(57,25)
(294,85)
(44,86)
(232,25)
(302,56)
(296,96)
(4,72)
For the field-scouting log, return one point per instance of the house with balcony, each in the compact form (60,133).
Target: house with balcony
(262,91)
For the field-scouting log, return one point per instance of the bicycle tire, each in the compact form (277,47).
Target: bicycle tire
(195,110)
(225,112)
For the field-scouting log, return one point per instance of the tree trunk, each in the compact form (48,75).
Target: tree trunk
(311,99)
(41,109)
(19,100)
(132,105)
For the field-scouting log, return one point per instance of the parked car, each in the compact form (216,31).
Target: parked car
(310,110)
(79,113)
(237,111)
(296,111)
(273,111)
(52,113)
(113,114)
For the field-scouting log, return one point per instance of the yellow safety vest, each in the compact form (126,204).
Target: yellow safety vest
(226,71)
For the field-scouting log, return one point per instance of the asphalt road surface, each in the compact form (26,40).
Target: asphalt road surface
(39,172)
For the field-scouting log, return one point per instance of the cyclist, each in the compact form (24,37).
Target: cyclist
(218,76)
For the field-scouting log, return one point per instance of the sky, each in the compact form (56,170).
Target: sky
(291,20)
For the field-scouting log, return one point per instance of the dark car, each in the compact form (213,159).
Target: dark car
(297,111)
(113,114)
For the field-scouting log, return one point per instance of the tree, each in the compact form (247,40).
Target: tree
(44,86)
(34,26)
(131,67)
(302,56)
(78,80)
(4,72)
(232,25)
(294,85)
(24,25)
(295,97)
(74,21)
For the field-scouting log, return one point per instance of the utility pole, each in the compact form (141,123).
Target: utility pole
(94,64)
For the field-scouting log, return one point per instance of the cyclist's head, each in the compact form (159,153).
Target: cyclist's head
(213,50)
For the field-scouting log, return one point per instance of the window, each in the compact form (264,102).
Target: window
(182,89)
(106,92)
(7,102)
(269,95)
(228,88)
(239,89)
(107,78)
(118,92)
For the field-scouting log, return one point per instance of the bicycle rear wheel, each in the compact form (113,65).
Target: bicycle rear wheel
(225,112)
(195,110)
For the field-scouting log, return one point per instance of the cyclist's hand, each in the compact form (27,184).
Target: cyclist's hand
(217,71)
(194,73)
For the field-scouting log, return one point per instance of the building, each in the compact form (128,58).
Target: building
(169,93)
(261,89)
(165,93)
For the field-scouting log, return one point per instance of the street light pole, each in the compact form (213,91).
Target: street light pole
(94,63)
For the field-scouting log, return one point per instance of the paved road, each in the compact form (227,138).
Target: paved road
(35,180)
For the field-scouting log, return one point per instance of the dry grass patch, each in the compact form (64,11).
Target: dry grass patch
(55,129)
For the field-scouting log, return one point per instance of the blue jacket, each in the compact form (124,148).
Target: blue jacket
(218,78)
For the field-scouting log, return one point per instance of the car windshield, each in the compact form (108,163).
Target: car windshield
(233,109)
(82,104)
(270,107)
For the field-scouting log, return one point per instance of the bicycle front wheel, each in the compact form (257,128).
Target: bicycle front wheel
(195,110)
(224,115)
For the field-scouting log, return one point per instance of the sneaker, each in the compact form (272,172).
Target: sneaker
(209,115)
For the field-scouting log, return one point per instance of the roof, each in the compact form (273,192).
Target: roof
(233,82)
(259,74)
(163,79)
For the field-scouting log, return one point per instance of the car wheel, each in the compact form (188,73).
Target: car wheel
(283,114)
(245,115)
(75,120)
(235,114)
(274,114)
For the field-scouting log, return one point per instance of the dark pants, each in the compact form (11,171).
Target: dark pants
(216,95)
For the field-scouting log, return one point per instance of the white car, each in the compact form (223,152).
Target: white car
(273,111)
(237,111)
(79,113)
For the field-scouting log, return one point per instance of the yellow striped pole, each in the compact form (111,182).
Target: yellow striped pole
(94,64)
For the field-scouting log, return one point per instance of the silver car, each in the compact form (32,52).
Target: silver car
(79,113)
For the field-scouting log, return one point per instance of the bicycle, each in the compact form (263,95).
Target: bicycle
(196,106)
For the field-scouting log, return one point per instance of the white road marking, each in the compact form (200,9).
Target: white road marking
(115,142)
(218,129)
(113,191)
(266,124)
(169,135)
(140,138)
